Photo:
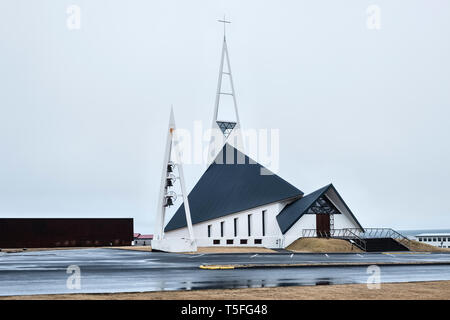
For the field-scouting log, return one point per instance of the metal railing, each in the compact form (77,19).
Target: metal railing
(371,233)
(357,235)
(346,234)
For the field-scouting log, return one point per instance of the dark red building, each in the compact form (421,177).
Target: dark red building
(48,232)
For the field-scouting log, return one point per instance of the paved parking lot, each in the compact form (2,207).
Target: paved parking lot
(115,270)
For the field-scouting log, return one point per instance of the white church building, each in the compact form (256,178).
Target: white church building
(233,204)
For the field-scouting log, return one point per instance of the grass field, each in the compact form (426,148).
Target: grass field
(388,291)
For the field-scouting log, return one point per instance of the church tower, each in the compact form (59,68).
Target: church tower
(225,130)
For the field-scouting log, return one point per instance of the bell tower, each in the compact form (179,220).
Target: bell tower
(167,196)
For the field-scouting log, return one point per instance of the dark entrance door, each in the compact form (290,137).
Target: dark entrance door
(323,225)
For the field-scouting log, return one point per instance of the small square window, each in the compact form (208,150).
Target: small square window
(243,241)
(216,241)
(230,241)
(258,241)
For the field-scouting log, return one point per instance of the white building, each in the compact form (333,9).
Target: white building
(441,240)
(234,204)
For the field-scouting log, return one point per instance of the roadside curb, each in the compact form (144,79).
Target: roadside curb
(318,265)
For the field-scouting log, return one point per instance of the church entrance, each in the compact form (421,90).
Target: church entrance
(323,225)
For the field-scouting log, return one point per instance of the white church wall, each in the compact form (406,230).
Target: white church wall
(344,220)
(341,221)
(307,221)
(272,238)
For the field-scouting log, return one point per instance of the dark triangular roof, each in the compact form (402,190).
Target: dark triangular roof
(227,188)
(295,210)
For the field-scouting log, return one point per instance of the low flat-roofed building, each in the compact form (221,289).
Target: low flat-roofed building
(441,240)
(65,232)
(143,239)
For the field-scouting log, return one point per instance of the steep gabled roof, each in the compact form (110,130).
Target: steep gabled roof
(228,187)
(295,210)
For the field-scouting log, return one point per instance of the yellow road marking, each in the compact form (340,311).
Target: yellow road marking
(216,267)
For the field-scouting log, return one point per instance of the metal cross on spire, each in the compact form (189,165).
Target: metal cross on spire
(224,21)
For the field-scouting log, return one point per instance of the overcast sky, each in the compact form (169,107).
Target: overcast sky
(84,112)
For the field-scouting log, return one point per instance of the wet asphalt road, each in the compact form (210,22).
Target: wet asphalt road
(115,270)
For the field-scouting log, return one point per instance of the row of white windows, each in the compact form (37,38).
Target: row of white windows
(235,226)
(433,239)
(241,241)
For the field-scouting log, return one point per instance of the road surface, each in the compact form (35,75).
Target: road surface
(116,270)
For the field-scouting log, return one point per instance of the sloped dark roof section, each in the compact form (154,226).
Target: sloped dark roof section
(232,183)
(295,210)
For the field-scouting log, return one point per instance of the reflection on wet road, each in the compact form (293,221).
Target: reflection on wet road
(109,270)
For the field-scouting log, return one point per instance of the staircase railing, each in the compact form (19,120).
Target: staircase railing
(358,235)
(345,234)
(381,233)
(358,241)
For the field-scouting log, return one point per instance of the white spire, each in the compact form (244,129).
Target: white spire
(231,130)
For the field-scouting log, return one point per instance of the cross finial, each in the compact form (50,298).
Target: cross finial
(224,21)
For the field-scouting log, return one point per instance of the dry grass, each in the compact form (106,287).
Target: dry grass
(322,245)
(387,291)
(134,248)
(233,250)
(422,247)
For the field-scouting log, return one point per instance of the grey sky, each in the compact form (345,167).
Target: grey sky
(83,113)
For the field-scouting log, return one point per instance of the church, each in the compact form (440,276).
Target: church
(233,204)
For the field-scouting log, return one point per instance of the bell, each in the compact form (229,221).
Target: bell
(170,180)
(170,166)
(170,198)
(169,202)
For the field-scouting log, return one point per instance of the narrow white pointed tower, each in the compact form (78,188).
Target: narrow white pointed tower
(167,197)
(225,130)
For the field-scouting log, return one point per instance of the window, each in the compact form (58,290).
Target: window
(258,241)
(230,241)
(434,239)
(249,225)
(264,223)
(235,226)
(243,241)
(439,239)
(420,239)
(216,241)
(222,225)
(209,230)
